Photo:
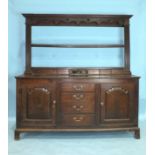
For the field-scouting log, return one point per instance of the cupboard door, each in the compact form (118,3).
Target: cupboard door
(118,104)
(38,101)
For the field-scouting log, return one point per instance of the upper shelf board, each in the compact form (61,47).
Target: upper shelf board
(79,45)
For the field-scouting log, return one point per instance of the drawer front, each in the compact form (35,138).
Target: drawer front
(85,107)
(78,97)
(78,120)
(75,87)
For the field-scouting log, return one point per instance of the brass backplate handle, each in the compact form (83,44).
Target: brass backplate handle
(78,108)
(78,119)
(78,96)
(78,87)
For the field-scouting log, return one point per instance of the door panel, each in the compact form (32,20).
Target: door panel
(38,104)
(118,104)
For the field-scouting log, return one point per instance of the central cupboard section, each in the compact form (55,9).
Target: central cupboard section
(78,101)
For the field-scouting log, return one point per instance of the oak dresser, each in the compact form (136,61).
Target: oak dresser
(73,98)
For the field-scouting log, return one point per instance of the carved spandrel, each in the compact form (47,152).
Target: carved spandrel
(117,103)
(117,89)
(31,90)
(40,92)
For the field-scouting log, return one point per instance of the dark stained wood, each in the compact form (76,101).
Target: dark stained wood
(78,107)
(34,16)
(90,71)
(118,102)
(78,129)
(17,135)
(77,99)
(86,129)
(127,45)
(137,134)
(79,45)
(77,87)
(28,49)
(38,103)
(91,109)
(76,20)
(78,120)
(78,103)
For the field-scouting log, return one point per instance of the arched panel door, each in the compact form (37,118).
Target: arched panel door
(118,104)
(38,103)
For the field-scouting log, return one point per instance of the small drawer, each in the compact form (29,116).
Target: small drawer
(78,107)
(78,97)
(78,87)
(78,120)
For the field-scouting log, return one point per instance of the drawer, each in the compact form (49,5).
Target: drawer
(75,87)
(78,120)
(78,97)
(85,107)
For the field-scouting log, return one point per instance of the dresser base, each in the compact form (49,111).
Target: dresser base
(80,104)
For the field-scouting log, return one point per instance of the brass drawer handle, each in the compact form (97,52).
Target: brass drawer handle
(54,101)
(78,108)
(81,106)
(78,119)
(74,106)
(78,96)
(78,87)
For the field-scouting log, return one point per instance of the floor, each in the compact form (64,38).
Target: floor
(109,143)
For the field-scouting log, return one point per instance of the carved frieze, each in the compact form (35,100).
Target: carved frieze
(77,21)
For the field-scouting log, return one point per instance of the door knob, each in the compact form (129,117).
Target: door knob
(54,102)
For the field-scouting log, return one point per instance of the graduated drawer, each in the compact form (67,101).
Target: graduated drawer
(78,120)
(84,107)
(78,97)
(75,87)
